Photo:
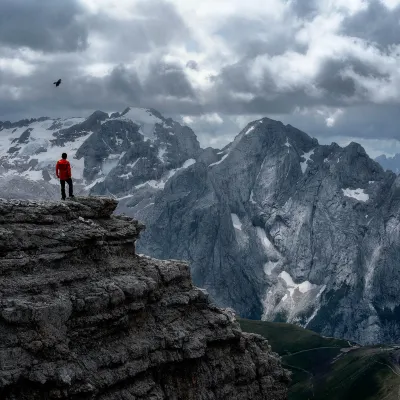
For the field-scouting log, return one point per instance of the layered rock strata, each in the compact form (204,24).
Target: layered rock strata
(84,317)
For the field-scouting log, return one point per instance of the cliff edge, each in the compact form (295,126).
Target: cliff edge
(82,316)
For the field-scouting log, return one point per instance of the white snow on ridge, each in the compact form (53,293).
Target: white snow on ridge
(357,194)
(253,127)
(161,183)
(236,222)
(145,119)
(98,180)
(66,123)
(249,130)
(40,139)
(188,163)
(307,156)
(220,161)
(287,144)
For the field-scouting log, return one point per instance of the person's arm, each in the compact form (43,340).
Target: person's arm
(69,170)
(57,168)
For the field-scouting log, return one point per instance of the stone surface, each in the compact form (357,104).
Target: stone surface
(82,316)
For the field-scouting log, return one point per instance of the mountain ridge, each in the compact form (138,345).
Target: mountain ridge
(274,225)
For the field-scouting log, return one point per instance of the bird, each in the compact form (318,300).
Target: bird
(57,83)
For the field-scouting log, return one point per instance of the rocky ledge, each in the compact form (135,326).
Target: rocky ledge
(84,317)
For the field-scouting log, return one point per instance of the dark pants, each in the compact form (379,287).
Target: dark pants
(70,187)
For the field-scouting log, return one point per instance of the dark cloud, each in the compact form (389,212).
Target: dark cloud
(154,28)
(45,25)
(369,121)
(376,23)
(254,36)
(332,78)
(304,8)
(168,80)
(155,25)
(192,65)
(166,88)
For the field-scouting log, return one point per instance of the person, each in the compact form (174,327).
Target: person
(63,172)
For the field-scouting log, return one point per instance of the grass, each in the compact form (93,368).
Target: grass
(323,369)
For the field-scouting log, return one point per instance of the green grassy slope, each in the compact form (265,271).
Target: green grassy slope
(331,369)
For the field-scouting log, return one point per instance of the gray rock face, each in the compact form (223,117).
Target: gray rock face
(281,228)
(82,316)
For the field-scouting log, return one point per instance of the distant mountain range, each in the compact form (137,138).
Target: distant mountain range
(390,163)
(274,224)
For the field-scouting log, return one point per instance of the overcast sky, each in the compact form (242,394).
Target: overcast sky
(328,67)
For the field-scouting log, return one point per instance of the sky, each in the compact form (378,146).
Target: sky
(328,67)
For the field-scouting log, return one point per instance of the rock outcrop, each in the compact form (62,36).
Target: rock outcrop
(84,317)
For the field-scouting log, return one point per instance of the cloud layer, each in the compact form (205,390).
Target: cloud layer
(328,67)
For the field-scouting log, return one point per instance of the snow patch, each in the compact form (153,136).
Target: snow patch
(98,180)
(33,175)
(249,130)
(269,267)
(161,183)
(220,161)
(132,165)
(111,162)
(303,287)
(126,176)
(161,152)
(357,194)
(236,222)
(145,119)
(307,156)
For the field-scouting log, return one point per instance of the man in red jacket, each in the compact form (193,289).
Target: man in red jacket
(63,172)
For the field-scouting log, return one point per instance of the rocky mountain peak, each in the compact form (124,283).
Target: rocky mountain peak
(82,315)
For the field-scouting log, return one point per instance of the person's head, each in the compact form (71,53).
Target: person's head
(64,156)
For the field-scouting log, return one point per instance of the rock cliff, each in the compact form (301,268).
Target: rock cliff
(84,317)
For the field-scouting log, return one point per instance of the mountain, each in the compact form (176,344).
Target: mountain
(82,316)
(331,369)
(389,163)
(284,229)
(274,225)
(113,152)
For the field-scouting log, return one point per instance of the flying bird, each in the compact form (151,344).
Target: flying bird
(57,83)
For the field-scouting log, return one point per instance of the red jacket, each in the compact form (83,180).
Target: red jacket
(63,169)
